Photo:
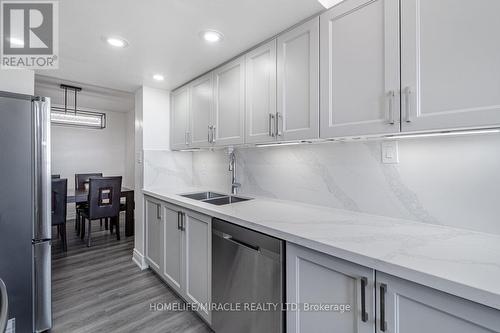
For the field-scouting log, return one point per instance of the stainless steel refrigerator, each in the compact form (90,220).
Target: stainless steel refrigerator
(25,210)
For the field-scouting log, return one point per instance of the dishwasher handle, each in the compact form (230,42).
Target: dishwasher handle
(236,241)
(240,242)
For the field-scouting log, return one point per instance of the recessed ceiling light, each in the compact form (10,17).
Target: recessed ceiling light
(329,3)
(158,77)
(211,36)
(116,41)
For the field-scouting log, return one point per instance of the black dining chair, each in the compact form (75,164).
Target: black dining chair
(59,201)
(104,202)
(80,180)
(55,176)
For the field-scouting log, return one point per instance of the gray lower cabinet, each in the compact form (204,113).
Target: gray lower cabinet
(401,306)
(172,271)
(407,307)
(154,234)
(315,278)
(179,249)
(197,260)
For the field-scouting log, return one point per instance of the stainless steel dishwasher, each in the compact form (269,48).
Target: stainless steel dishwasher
(247,280)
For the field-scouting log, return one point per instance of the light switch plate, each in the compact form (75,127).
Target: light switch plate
(390,152)
(139,157)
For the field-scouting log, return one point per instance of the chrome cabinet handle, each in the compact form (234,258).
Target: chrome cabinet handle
(209,138)
(408,93)
(213,134)
(392,95)
(270,130)
(179,221)
(364,314)
(383,323)
(271,125)
(186,135)
(158,211)
(183,221)
(278,119)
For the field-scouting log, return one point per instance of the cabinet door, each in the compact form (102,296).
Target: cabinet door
(450,64)
(314,278)
(359,59)
(198,260)
(407,307)
(229,108)
(298,83)
(261,93)
(154,234)
(201,102)
(172,271)
(179,118)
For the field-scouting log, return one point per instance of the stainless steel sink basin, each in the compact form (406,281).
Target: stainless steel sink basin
(214,198)
(203,195)
(225,200)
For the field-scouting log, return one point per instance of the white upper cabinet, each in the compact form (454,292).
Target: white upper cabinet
(298,83)
(261,93)
(201,102)
(450,64)
(359,59)
(179,119)
(229,107)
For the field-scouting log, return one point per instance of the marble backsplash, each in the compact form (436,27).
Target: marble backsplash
(165,169)
(452,181)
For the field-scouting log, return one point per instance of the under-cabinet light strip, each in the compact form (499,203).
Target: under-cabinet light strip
(495,130)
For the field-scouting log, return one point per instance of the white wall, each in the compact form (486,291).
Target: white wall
(138,253)
(452,181)
(156,119)
(21,81)
(84,150)
(155,164)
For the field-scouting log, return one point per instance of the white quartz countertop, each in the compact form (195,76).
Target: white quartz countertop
(460,262)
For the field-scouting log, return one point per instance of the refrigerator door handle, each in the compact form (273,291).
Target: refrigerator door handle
(4,306)
(42,284)
(42,181)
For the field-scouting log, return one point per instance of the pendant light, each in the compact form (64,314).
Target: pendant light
(74,117)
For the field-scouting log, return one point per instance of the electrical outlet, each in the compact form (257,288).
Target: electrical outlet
(390,152)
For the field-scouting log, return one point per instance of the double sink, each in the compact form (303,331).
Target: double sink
(215,198)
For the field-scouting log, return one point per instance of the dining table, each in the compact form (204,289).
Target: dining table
(82,195)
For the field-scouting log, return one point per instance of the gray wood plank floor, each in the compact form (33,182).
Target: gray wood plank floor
(100,289)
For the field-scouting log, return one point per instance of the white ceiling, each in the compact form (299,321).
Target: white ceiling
(163,36)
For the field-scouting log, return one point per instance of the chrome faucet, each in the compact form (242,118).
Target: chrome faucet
(232,167)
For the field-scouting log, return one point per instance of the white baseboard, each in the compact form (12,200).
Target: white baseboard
(139,260)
